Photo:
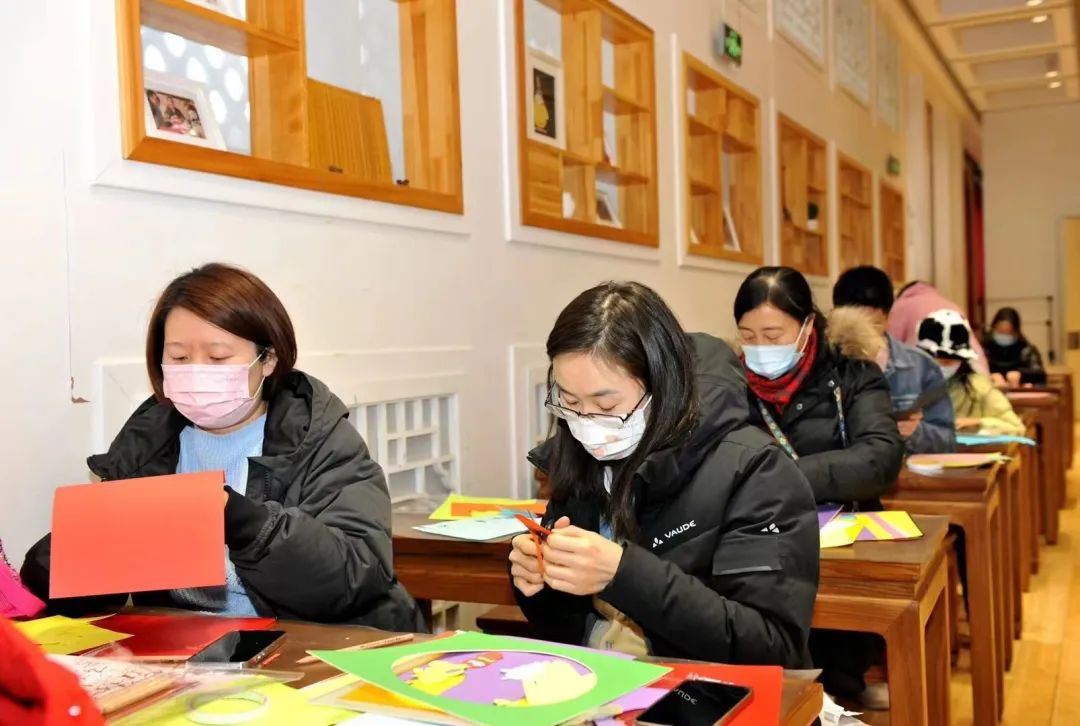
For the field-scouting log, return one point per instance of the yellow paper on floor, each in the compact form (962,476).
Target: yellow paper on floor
(59,635)
(287,707)
(839,533)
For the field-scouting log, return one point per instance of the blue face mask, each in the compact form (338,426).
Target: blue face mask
(773,361)
(1005,340)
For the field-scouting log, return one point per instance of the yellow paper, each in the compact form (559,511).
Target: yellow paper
(288,707)
(839,533)
(493,505)
(60,635)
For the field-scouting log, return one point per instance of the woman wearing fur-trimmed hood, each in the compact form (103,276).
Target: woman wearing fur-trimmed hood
(814,385)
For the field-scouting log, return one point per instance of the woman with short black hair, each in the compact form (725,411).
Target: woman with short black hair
(678,530)
(307,511)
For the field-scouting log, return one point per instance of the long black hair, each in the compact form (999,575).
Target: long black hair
(628,325)
(1009,315)
(784,288)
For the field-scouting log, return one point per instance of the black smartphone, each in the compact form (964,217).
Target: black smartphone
(697,703)
(240,648)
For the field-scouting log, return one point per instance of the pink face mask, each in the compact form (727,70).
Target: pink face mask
(211,396)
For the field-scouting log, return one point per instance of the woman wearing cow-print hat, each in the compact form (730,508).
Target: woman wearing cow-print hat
(979,405)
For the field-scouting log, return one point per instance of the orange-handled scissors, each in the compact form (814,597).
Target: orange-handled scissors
(538,534)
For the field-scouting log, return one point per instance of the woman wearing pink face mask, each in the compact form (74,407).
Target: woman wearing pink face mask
(307,511)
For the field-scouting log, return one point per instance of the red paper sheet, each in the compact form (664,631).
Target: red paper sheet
(767,683)
(157,533)
(175,635)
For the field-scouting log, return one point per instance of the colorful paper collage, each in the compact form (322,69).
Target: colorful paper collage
(458,506)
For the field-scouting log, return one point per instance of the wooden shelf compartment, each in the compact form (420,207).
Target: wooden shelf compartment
(203,25)
(803,176)
(722,165)
(893,241)
(856,213)
(630,96)
(307,134)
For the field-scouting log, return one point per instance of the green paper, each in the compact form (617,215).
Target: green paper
(615,677)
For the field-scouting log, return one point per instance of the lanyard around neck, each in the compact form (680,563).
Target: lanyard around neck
(781,437)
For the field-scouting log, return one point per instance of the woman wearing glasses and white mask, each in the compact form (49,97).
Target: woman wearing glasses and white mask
(816,388)
(678,529)
(307,512)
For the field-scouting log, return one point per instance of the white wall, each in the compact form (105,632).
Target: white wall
(1031,166)
(85,252)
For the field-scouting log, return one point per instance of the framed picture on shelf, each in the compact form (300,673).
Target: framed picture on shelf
(545,103)
(177,109)
(226,7)
(605,211)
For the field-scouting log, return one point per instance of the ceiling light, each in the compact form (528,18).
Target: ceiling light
(1052,74)
(1034,3)
(1055,84)
(1040,18)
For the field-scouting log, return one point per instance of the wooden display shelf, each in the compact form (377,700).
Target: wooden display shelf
(858,202)
(621,104)
(614,175)
(802,168)
(893,241)
(856,213)
(203,25)
(307,134)
(700,126)
(700,186)
(721,197)
(547,175)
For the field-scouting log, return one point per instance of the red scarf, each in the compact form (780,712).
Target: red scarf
(780,391)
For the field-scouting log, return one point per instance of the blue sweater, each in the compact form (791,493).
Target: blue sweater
(204,451)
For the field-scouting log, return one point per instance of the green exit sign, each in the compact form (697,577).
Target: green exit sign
(729,44)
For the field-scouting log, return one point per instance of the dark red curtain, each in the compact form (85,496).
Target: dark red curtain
(976,249)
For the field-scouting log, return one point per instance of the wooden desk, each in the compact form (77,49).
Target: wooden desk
(898,590)
(1060,378)
(1030,471)
(800,702)
(1046,407)
(972,501)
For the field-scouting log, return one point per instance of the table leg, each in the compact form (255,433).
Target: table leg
(984,658)
(1023,508)
(1016,545)
(905,654)
(1001,529)
(1050,476)
(938,700)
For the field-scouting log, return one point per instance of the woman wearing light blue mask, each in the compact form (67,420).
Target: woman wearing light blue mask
(816,388)
(653,463)
(1013,359)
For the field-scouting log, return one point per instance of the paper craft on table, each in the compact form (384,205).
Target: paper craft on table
(458,506)
(500,681)
(115,684)
(826,513)
(839,533)
(930,464)
(59,635)
(475,529)
(993,439)
(156,533)
(883,526)
(765,682)
(176,636)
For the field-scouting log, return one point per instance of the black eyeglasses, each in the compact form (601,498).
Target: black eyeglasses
(607,420)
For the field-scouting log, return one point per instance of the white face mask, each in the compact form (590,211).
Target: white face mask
(607,443)
(949,371)
(773,361)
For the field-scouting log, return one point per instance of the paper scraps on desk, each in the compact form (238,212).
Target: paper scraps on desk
(115,684)
(839,533)
(59,635)
(176,636)
(156,533)
(475,529)
(494,680)
(826,513)
(993,440)
(286,707)
(931,464)
(882,526)
(459,506)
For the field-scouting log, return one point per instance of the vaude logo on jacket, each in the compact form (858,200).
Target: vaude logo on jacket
(656,542)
